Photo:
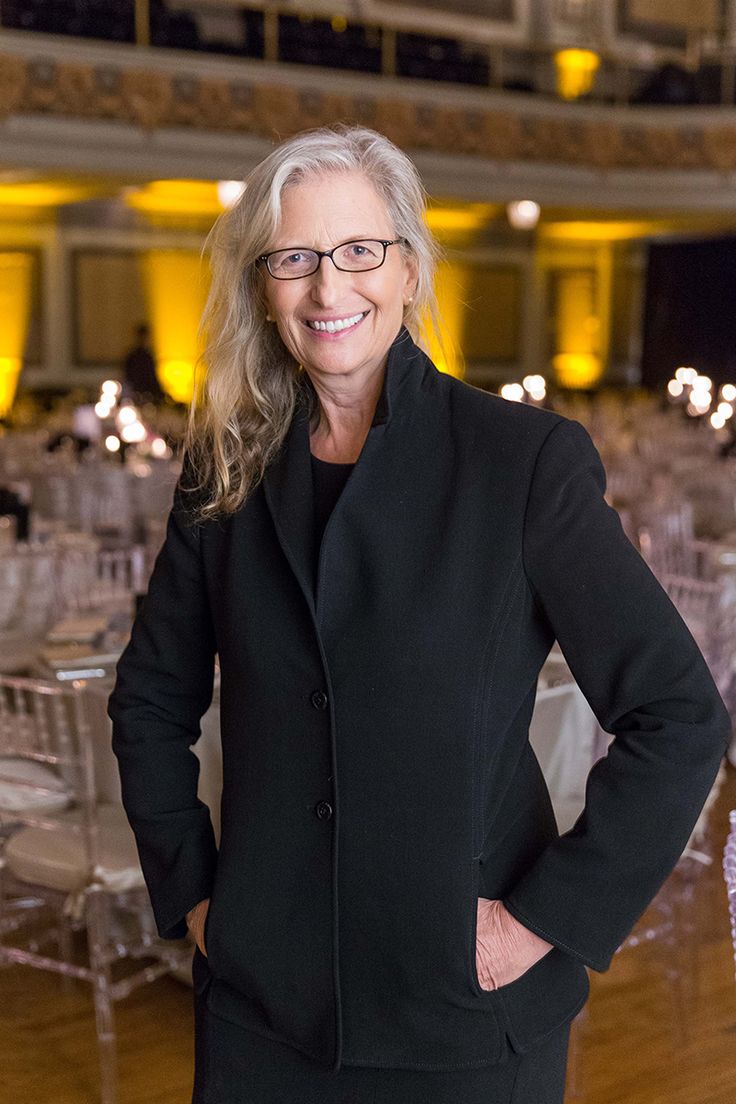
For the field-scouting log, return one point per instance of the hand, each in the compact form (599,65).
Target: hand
(195,922)
(504,948)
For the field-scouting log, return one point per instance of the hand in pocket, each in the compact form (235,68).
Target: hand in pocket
(196,919)
(504,948)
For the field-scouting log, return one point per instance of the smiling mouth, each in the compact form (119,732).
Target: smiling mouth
(336,325)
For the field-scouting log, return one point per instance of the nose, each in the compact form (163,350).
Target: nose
(327,281)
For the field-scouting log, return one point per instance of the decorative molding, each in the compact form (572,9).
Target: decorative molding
(152,99)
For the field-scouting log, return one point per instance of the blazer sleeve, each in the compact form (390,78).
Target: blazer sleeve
(163,687)
(648,684)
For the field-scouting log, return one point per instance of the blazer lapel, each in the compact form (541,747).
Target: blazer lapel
(287,481)
(287,484)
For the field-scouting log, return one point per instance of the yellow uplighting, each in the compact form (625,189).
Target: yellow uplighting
(578,361)
(576,70)
(176,197)
(39,193)
(450,287)
(339,23)
(468,218)
(176,290)
(16,270)
(593,230)
(577,369)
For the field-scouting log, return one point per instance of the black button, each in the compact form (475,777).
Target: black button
(319,699)
(323,809)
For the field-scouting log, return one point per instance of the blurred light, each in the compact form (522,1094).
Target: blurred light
(112,388)
(523,214)
(702,383)
(229,192)
(451,289)
(675,388)
(134,431)
(725,409)
(538,395)
(728,391)
(176,284)
(112,443)
(577,369)
(512,391)
(469,217)
(163,198)
(534,383)
(127,415)
(685,375)
(159,448)
(576,70)
(46,193)
(102,410)
(339,23)
(717,420)
(16,280)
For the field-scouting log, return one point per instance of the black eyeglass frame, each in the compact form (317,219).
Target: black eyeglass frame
(320,253)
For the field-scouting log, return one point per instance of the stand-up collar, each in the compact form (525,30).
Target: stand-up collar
(287,482)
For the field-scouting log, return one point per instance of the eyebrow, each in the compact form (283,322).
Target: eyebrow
(353,237)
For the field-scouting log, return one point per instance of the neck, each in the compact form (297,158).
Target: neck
(344,419)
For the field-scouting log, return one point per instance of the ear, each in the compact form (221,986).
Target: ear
(411,278)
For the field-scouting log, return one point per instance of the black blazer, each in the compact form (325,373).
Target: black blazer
(378,776)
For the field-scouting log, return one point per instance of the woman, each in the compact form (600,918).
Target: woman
(382,557)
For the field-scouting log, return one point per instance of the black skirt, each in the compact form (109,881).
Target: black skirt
(236,1066)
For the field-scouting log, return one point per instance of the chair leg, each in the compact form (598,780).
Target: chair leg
(98,942)
(66,949)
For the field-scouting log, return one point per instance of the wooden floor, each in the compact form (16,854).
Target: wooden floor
(629,1047)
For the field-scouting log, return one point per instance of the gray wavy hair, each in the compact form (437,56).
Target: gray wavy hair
(245,398)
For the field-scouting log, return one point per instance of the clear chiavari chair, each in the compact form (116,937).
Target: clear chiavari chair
(729,873)
(69,862)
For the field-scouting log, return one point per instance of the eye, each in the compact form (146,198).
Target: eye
(359,249)
(293,259)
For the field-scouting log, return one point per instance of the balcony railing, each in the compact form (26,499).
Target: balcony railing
(399,46)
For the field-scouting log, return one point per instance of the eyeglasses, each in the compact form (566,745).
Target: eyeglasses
(360,255)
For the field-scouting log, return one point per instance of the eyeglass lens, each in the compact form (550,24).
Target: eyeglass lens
(354,256)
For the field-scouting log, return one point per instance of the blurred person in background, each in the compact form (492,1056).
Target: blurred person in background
(140,381)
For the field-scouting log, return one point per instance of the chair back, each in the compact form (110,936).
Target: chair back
(47,769)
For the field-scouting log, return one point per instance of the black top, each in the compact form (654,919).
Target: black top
(328,480)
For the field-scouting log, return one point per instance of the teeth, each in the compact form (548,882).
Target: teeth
(338,324)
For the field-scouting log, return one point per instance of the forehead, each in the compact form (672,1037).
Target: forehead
(332,207)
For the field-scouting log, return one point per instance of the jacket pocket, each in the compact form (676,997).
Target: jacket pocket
(201,973)
(473,935)
(204,930)
(548,994)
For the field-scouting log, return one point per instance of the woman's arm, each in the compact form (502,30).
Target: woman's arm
(647,683)
(163,687)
